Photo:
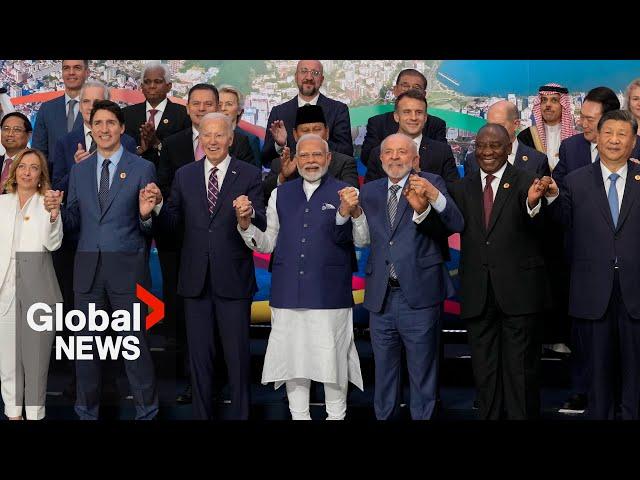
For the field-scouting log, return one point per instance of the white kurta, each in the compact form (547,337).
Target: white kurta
(316,344)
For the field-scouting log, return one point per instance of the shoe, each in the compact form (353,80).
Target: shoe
(576,403)
(185,397)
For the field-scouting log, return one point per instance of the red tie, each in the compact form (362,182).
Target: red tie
(487,200)
(152,116)
(5,172)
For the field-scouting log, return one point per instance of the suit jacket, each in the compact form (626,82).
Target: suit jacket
(381,126)
(435,157)
(62,159)
(254,143)
(583,208)
(117,235)
(509,253)
(51,124)
(342,167)
(36,278)
(177,150)
(527,158)
(415,253)
(526,138)
(337,120)
(174,118)
(575,152)
(213,249)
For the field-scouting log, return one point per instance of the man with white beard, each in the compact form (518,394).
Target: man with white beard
(311,301)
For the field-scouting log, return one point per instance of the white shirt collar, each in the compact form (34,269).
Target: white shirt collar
(497,174)
(401,183)
(622,172)
(313,101)
(87,130)
(223,166)
(67,98)
(418,141)
(553,128)
(161,106)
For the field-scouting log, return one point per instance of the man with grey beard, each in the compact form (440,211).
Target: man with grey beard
(309,232)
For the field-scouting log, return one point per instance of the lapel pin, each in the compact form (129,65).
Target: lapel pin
(637,177)
(233,171)
(506,185)
(165,121)
(26,219)
(525,158)
(123,175)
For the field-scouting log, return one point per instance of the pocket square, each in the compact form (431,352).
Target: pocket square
(328,206)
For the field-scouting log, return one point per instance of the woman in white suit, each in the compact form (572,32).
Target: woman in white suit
(28,233)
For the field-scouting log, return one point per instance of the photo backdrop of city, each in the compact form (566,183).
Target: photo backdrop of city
(459,91)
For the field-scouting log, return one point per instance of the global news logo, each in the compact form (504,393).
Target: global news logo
(42,318)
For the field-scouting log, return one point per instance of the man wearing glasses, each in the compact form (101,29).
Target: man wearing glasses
(381,126)
(16,131)
(309,78)
(157,117)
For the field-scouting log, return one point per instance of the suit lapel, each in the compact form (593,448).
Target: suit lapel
(519,162)
(229,179)
(402,208)
(600,196)
(631,188)
(502,195)
(475,192)
(384,194)
(119,178)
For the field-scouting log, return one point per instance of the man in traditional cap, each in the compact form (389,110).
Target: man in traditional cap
(553,117)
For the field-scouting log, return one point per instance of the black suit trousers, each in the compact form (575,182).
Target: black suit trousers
(505,357)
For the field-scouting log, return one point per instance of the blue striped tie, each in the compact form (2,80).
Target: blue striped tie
(392,209)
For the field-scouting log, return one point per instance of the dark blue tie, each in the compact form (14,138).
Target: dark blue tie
(103,192)
(613,198)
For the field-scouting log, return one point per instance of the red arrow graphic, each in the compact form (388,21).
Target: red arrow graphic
(154,303)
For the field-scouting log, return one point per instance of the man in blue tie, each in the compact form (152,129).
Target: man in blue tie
(597,206)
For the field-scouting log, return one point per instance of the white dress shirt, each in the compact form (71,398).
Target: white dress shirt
(195,139)
(594,151)
(160,111)
(554,138)
(223,166)
(87,137)
(514,149)
(76,107)
(495,185)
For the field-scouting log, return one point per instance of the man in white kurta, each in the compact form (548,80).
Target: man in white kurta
(311,298)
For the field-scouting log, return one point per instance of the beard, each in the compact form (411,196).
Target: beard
(402,173)
(313,176)
(308,89)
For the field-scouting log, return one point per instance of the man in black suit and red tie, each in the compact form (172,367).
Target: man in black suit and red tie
(503,277)
(381,126)
(411,116)
(157,117)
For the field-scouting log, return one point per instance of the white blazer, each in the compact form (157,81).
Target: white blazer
(35,273)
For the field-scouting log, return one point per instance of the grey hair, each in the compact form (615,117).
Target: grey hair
(155,64)
(217,116)
(627,94)
(95,83)
(312,136)
(414,147)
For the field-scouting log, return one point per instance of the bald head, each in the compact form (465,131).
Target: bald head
(506,114)
(309,78)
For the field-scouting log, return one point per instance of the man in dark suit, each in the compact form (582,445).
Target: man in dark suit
(521,156)
(435,157)
(106,205)
(59,116)
(282,117)
(503,280)
(597,205)
(407,279)
(309,119)
(381,126)
(157,117)
(15,134)
(575,152)
(217,276)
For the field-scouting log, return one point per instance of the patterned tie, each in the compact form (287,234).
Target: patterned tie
(5,173)
(92,146)
(613,198)
(152,117)
(103,192)
(392,209)
(199,150)
(70,117)
(487,200)
(212,189)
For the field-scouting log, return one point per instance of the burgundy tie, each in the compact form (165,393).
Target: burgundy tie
(152,117)
(487,200)
(212,189)
(5,172)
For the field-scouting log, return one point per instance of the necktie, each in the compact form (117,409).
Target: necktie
(5,172)
(212,190)
(613,198)
(92,146)
(392,209)
(487,200)
(152,117)
(103,192)
(199,150)
(70,116)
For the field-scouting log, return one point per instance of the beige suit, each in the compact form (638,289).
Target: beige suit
(26,276)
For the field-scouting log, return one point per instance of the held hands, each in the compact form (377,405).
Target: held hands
(419,192)
(81,154)
(279,132)
(287,165)
(349,202)
(244,209)
(52,202)
(539,188)
(149,197)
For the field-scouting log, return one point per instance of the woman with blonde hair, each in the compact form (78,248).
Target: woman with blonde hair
(632,100)
(28,234)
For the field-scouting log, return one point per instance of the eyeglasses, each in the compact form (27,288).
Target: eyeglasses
(305,71)
(314,155)
(8,129)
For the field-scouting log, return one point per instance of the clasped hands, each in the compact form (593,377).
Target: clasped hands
(539,188)
(52,203)
(244,210)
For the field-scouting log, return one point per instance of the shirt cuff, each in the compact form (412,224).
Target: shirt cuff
(440,204)
(418,218)
(551,199)
(146,223)
(247,234)
(340,220)
(359,220)
(279,149)
(158,207)
(533,211)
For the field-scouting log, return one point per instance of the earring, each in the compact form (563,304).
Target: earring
(39,184)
